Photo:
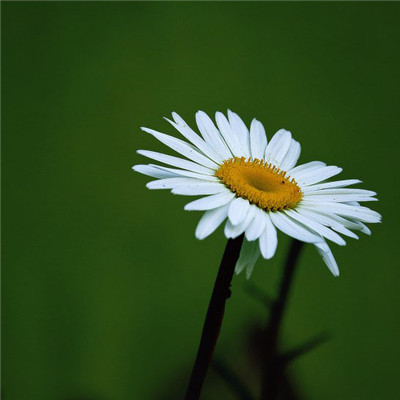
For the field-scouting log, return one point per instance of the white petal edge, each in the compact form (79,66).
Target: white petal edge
(210,221)
(257,225)
(176,162)
(338,198)
(210,202)
(317,175)
(212,135)
(326,254)
(317,227)
(305,167)
(238,210)
(241,130)
(278,147)
(248,257)
(350,224)
(229,135)
(199,189)
(258,140)
(269,239)
(329,185)
(293,229)
(188,174)
(181,126)
(326,220)
(233,231)
(332,191)
(291,156)
(182,148)
(360,213)
(364,228)
(153,171)
(170,183)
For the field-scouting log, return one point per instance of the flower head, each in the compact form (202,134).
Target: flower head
(257,187)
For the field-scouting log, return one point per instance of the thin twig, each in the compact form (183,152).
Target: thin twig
(232,379)
(258,294)
(213,321)
(304,348)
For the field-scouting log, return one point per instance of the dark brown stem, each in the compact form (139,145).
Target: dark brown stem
(213,321)
(272,371)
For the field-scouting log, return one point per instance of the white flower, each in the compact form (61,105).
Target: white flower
(256,186)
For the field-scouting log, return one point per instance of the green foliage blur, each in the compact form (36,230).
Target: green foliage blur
(104,285)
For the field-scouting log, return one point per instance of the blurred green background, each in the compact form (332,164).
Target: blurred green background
(104,285)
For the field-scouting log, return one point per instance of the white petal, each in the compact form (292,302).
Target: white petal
(341,198)
(330,221)
(257,225)
(334,184)
(233,231)
(241,130)
(343,221)
(293,229)
(210,202)
(238,210)
(170,183)
(317,227)
(341,191)
(268,239)
(353,203)
(200,188)
(176,162)
(210,221)
(182,147)
(362,214)
(153,171)
(250,267)
(258,140)
(364,228)
(211,135)
(181,126)
(317,175)
(252,262)
(302,168)
(326,253)
(229,135)
(189,174)
(291,156)
(278,147)
(249,254)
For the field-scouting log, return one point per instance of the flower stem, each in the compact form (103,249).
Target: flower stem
(272,371)
(213,321)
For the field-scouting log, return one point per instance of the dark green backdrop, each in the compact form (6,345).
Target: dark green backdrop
(104,285)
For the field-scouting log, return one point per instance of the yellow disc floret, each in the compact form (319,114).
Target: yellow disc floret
(260,183)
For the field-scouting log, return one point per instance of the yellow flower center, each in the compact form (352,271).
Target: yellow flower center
(260,183)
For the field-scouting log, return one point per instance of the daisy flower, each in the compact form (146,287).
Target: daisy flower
(257,188)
